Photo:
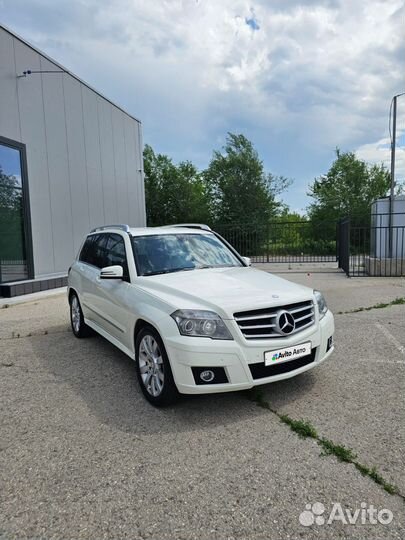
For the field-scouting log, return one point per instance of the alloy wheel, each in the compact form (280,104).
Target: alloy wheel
(151,365)
(75,310)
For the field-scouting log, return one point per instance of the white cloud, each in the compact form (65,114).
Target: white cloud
(312,76)
(380,152)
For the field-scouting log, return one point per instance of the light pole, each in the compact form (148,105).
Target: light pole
(393,147)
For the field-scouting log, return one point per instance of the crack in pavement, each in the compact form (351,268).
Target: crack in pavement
(343,454)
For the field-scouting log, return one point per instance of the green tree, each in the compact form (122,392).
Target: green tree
(239,189)
(347,189)
(288,216)
(173,193)
(288,233)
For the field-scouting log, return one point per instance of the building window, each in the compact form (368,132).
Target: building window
(15,264)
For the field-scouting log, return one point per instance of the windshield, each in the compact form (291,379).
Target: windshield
(165,253)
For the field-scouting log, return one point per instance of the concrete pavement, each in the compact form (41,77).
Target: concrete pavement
(83,455)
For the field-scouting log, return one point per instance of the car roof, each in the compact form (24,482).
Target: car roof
(150,231)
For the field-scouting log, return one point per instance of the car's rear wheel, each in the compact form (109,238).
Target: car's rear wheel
(79,327)
(153,368)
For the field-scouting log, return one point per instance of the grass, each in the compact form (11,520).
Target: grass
(376,476)
(257,396)
(341,452)
(305,429)
(396,302)
(302,427)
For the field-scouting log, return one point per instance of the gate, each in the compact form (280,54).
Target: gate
(376,250)
(344,245)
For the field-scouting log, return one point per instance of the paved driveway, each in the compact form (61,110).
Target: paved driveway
(82,455)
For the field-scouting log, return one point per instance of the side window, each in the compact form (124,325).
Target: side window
(93,251)
(115,252)
(100,254)
(88,249)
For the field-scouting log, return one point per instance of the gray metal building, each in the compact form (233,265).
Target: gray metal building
(70,160)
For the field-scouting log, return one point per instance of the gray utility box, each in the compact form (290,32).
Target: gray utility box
(387,243)
(380,225)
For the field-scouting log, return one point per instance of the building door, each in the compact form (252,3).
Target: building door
(15,246)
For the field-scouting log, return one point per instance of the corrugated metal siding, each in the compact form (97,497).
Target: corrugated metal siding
(84,154)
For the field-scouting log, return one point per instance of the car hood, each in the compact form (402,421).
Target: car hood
(224,290)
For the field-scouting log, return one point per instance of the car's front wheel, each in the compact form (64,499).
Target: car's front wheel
(79,327)
(153,368)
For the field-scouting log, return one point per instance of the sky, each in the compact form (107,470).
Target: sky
(298,78)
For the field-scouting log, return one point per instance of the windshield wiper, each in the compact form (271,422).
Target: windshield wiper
(169,270)
(185,268)
(203,266)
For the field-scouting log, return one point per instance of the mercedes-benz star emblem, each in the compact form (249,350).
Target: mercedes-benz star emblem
(285,322)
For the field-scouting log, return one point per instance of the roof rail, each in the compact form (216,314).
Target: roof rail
(120,227)
(188,226)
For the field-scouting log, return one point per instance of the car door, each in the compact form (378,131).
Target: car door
(89,269)
(111,293)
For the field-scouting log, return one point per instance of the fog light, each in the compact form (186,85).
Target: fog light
(207,375)
(330,343)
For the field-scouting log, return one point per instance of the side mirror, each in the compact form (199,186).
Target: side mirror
(247,260)
(112,272)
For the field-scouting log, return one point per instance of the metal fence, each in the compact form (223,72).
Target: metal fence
(283,241)
(374,250)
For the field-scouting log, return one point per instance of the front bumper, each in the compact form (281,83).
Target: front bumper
(235,357)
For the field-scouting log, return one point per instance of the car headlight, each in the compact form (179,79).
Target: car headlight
(322,306)
(200,323)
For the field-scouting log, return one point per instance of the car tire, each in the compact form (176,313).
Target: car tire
(153,368)
(79,327)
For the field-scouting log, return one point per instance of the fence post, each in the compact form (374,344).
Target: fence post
(341,243)
(267,242)
(347,254)
(338,242)
(344,245)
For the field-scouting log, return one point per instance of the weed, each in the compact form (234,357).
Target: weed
(338,450)
(257,396)
(365,471)
(302,427)
(396,302)
(305,429)
(378,479)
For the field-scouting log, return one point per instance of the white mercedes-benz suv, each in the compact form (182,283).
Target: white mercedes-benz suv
(193,313)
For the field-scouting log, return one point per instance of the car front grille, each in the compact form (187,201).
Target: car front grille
(262,323)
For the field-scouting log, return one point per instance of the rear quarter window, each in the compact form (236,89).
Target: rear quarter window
(93,251)
(87,252)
